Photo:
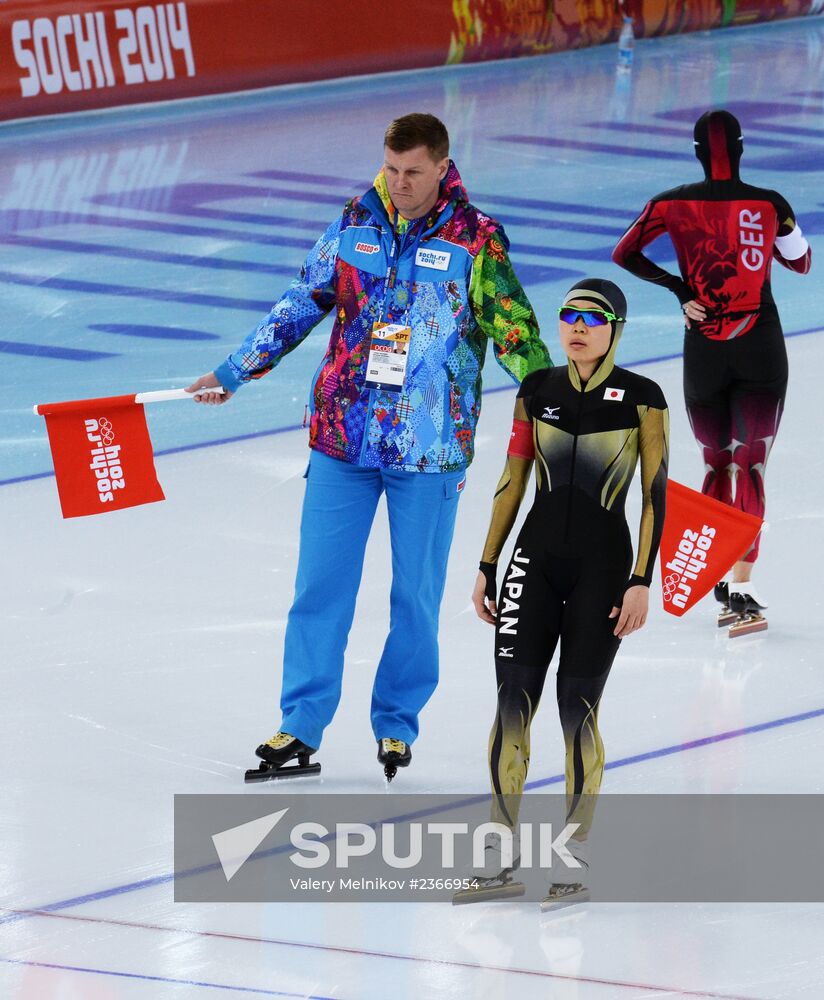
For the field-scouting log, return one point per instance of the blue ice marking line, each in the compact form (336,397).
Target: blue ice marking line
(156,256)
(683,134)
(298,427)
(160,294)
(16,221)
(47,351)
(642,152)
(704,741)
(554,779)
(259,991)
(153,332)
(535,274)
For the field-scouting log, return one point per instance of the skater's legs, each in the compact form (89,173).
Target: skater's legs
(711,427)
(734,391)
(530,613)
(338,510)
(755,420)
(588,648)
(706,383)
(422,509)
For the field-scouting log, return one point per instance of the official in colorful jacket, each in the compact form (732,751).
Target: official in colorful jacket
(726,235)
(411,263)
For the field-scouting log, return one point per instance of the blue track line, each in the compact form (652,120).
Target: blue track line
(157,880)
(259,991)
(296,427)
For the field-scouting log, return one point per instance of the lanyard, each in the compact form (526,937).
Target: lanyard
(392,268)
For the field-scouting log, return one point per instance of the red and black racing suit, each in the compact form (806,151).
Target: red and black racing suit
(726,234)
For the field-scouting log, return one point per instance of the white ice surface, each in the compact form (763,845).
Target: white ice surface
(142,653)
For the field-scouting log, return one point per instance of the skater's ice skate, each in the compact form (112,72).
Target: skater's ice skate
(277,752)
(569,885)
(722,595)
(748,609)
(494,880)
(393,754)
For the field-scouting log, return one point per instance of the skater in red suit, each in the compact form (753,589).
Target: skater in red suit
(726,235)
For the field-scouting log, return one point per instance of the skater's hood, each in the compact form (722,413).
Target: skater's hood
(718,145)
(607,295)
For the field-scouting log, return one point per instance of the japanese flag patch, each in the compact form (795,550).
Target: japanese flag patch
(616,394)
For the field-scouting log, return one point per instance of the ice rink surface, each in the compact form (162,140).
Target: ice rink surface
(142,648)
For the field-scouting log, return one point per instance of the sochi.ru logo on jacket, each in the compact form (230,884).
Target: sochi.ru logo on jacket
(366,248)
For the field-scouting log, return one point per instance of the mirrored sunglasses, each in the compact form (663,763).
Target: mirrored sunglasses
(592,317)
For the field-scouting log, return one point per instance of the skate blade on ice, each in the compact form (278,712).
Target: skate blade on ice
(747,624)
(268,772)
(726,617)
(501,889)
(560,896)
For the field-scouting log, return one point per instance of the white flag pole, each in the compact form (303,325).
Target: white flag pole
(160,396)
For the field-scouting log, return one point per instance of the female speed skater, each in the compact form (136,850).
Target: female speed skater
(584,427)
(726,234)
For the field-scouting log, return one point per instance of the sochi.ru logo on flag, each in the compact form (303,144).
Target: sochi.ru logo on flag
(701,540)
(102,454)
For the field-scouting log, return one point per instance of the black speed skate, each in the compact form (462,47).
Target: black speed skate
(393,754)
(722,594)
(277,752)
(748,610)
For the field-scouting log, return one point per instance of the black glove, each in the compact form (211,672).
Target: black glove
(490,571)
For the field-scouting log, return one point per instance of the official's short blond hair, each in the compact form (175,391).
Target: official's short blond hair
(418,129)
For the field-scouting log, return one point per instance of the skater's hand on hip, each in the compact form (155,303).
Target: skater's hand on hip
(485,609)
(694,312)
(633,611)
(208,382)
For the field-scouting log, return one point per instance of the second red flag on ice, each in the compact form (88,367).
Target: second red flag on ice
(702,539)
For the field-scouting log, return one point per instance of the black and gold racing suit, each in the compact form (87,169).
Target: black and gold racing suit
(571,563)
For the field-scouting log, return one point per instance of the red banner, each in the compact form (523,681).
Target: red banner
(102,454)
(70,55)
(702,539)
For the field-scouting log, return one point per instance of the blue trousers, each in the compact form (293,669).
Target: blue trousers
(338,510)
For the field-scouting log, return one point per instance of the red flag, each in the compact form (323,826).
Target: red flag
(702,539)
(102,455)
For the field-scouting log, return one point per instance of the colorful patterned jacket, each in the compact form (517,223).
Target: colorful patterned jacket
(449,278)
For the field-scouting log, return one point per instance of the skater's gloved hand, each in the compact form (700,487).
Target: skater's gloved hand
(694,312)
(486,592)
(633,611)
(209,381)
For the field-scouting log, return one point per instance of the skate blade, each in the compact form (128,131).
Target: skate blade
(726,618)
(748,625)
(390,770)
(561,896)
(266,772)
(485,894)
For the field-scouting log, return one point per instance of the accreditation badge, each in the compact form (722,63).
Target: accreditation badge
(388,356)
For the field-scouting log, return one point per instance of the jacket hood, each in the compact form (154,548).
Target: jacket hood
(605,295)
(718,145)
(452,189)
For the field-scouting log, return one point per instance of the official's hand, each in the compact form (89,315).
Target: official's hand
(485,608)
(209,382)
(633,611)
(694,312)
